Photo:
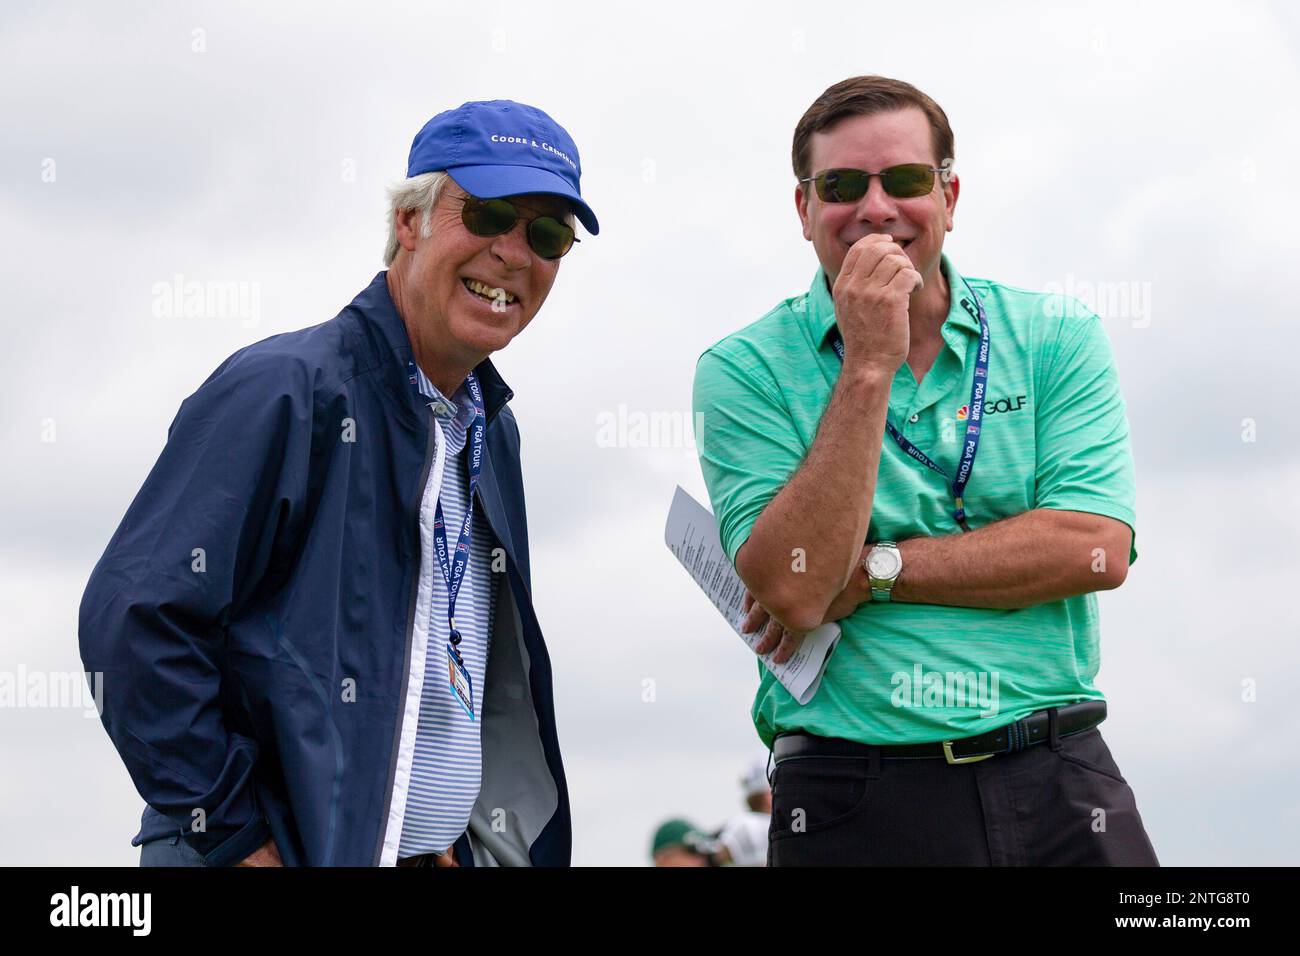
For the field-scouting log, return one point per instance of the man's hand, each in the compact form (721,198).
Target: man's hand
(264,855)
(871,296)
(785,641)
(775,635)
(446,859)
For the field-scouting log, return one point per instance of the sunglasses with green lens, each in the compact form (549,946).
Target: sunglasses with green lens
(905,181)
(547,236)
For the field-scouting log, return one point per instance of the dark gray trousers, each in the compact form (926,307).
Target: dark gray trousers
(1061,802)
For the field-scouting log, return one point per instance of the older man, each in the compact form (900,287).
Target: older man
(315,622)
(840,442)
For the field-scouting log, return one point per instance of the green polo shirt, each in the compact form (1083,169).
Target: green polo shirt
(1055,435)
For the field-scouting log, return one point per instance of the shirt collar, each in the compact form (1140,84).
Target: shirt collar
(383,335)
(458,408)
(821,307)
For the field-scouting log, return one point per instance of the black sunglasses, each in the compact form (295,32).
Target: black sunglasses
(905,181)
(547,236)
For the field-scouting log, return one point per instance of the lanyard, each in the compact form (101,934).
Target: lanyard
(453,567)
(975,416)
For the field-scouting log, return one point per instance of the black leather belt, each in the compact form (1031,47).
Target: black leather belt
(1071,719)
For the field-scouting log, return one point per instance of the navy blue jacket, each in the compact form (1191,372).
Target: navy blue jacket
(254,615)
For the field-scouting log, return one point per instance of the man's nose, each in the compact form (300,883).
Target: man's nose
(877,207)
(511,247)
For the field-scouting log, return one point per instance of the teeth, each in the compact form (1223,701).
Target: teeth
(487,292)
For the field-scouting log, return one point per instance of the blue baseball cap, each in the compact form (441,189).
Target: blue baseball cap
(496,148)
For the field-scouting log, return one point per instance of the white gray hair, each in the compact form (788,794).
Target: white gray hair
(419,192)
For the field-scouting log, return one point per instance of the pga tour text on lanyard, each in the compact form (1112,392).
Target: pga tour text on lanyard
(453,566)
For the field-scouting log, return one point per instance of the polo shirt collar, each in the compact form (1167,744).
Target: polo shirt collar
(821,307)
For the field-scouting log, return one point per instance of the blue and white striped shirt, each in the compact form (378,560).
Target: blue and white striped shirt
(446,771)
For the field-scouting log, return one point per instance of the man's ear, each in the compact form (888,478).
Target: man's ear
(407,227)
(950,190)
(801,206)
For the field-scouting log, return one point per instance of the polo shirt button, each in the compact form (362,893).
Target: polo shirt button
(914,419)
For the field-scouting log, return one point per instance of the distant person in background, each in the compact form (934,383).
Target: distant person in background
(758,793)
(743,840)
(745,835)
(676,843)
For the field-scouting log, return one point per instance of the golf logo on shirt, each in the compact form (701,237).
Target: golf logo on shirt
(962,413)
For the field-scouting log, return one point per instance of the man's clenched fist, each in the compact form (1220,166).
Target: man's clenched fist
(871,298)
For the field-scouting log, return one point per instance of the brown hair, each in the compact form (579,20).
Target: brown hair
(866,96)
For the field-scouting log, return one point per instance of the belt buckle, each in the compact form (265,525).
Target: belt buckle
(947,755)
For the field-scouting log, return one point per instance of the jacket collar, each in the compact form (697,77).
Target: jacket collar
(821,306)
(390,347)
(391,351)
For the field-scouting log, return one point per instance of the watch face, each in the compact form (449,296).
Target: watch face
(883,563)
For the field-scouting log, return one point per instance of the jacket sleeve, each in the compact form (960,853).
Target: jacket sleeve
(224,496)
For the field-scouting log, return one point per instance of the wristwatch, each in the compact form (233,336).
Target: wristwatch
(884,563)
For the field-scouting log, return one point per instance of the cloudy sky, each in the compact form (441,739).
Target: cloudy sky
(1132,150)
